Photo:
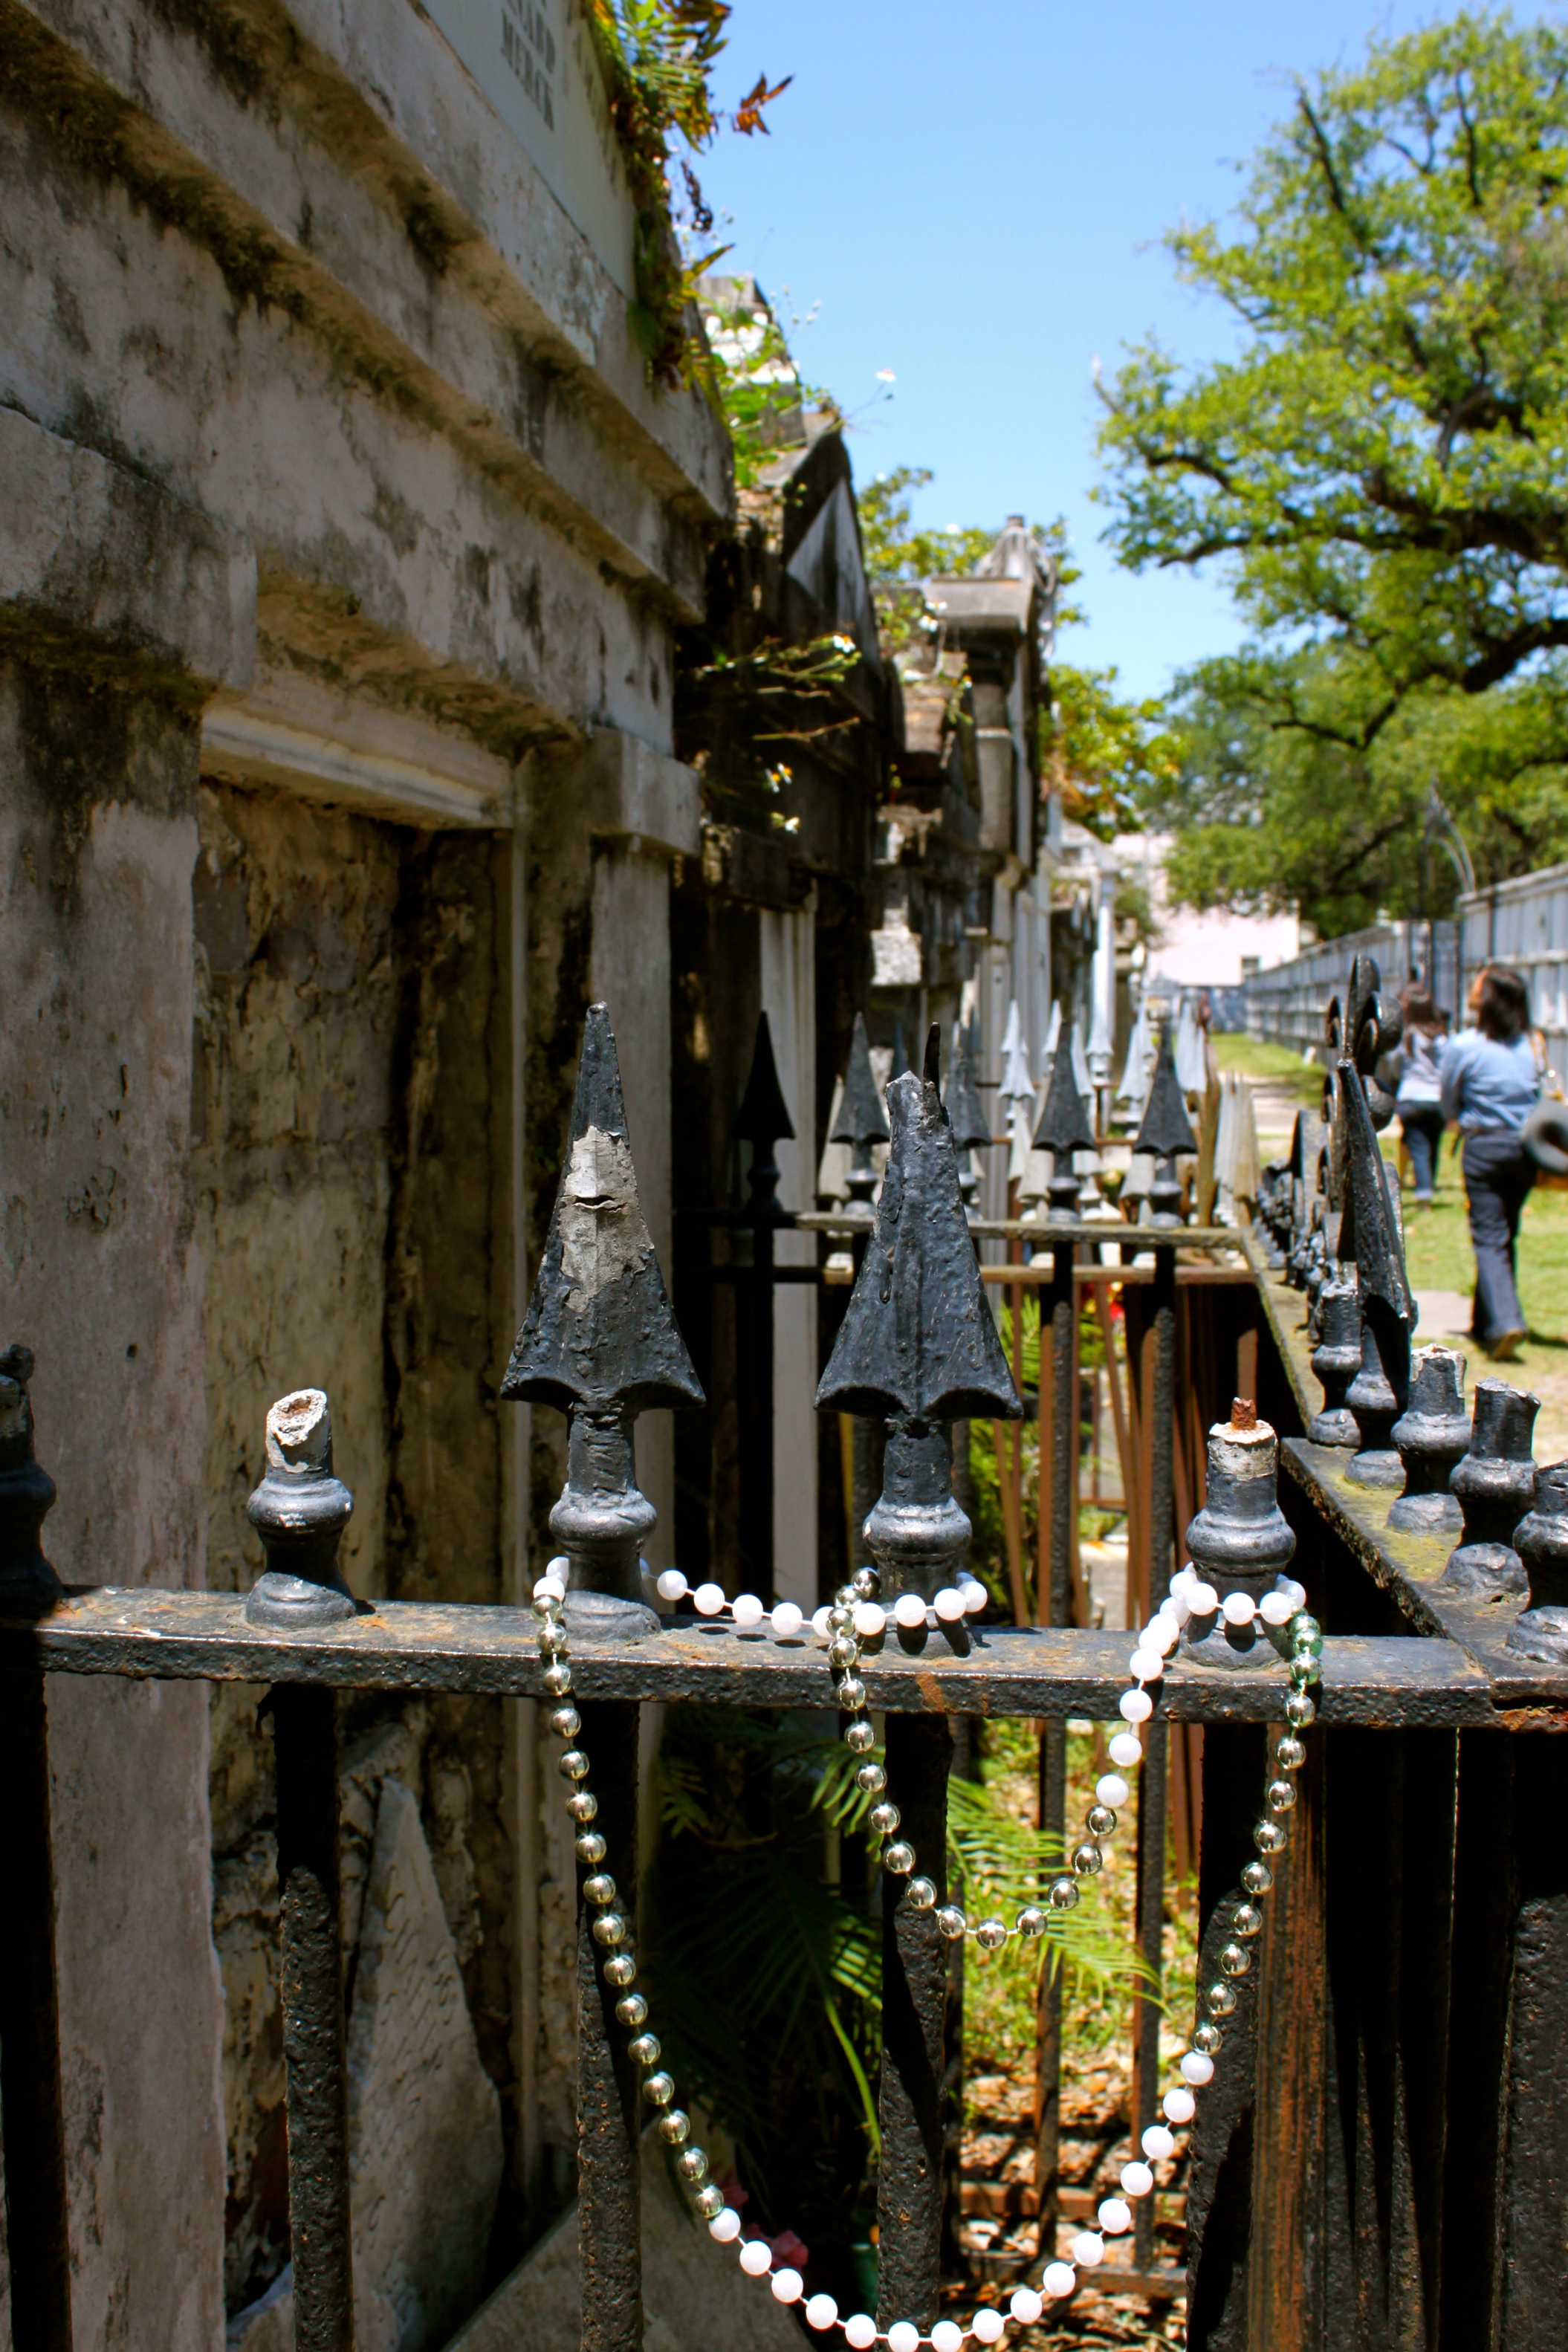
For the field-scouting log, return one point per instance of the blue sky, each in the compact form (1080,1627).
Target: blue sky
(974,197)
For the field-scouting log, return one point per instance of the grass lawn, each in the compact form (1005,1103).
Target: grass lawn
(1280,1064)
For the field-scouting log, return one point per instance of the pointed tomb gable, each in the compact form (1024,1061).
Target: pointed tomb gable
(918,1338)
(600,1330)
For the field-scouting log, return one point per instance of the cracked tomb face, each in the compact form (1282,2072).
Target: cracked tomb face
(602,1236)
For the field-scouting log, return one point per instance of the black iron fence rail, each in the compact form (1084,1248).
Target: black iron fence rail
(1384,2166)
(1041,1673)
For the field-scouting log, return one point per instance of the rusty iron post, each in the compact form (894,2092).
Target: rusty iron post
(299,1511)
(31,2104)
(305,1734)
(1541,1538)
(1336,1360)
(1431,1435)
(1151,1929)
(600,1343)
(918,1347)
(1495,1481)
(764,1122)
(609,2182)
(1063,1127)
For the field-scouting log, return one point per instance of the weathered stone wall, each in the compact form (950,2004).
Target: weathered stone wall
(318,413)
(97,836)
(352,1214)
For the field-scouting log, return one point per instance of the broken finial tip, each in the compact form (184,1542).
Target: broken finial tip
(299,1432)
(1243,1414)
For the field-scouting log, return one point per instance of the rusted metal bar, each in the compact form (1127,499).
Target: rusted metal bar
(304,1722)
(763,1121)
(1220,2164)
(919,1348)
(1285,2290)
(32,2109)
(1163,1408)
(1118,1277)
(1046,2115)
(37,2219)
(1050,1672)
(1485,1901)
(1147,2005)
(609,2182)
(1532,2283)
(1058,1311)
(914,2010)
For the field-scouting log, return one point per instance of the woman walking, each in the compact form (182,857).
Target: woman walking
(1419,1098)
(1490,1084)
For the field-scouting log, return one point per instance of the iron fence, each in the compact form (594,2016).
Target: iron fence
(1384,2163)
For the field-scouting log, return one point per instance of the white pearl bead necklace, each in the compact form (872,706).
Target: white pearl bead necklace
(845,1622)
(952,1605)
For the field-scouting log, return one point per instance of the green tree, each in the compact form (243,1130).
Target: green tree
(1379,464)
(1276,799)
(1112,758)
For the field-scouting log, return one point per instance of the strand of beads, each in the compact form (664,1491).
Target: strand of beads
(988,2324)
(966,1599)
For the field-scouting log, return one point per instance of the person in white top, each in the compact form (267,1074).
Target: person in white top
(1420,1088)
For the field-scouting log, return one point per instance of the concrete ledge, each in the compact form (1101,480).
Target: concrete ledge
(629,789)
(299,737)
(96,562)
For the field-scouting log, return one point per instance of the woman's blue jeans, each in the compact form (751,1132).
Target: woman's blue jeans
(1421,1125)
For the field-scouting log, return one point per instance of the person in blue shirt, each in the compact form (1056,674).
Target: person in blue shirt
(1489,1085)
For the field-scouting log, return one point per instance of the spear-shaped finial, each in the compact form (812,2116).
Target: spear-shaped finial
(1370,1239)
(918,1345)
(1369,1232)
(1064,1128)
(1165,1131)
(600,1341)
(860,1122)
(28,1585)
(763,1119)
(966,1115)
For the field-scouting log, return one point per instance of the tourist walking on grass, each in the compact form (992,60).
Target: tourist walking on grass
(1419,1095)
(1490,1084)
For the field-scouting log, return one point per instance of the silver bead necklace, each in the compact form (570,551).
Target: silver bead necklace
(854,1616)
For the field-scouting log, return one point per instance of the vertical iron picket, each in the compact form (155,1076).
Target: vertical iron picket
(914,2013)
(304,1721)
(609,2181)
(36,2213)
(31,2101)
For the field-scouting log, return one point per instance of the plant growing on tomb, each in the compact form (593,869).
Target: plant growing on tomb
(659,58)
